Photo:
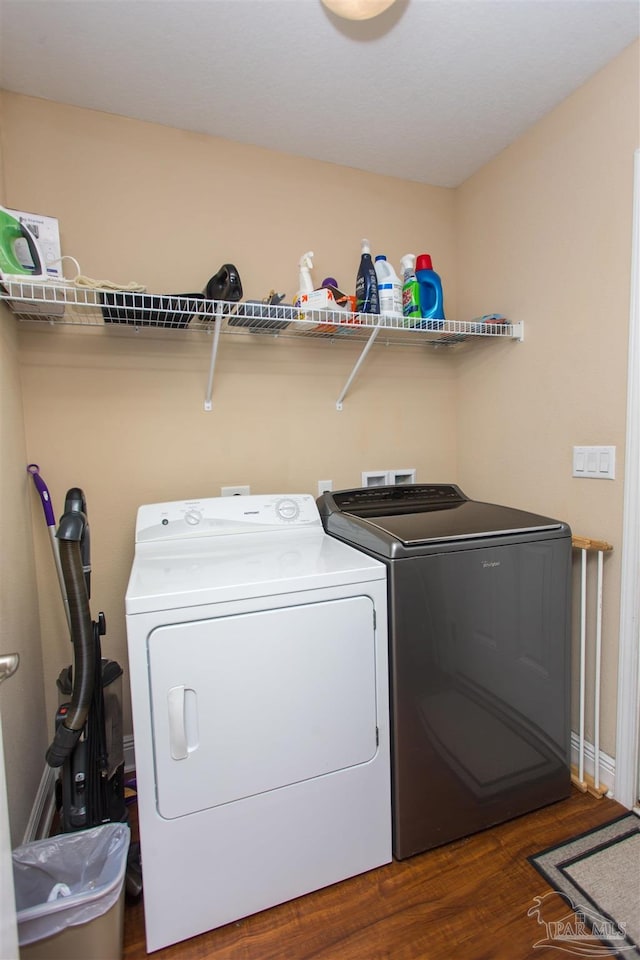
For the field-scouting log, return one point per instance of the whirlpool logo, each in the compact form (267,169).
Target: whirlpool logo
(490,563)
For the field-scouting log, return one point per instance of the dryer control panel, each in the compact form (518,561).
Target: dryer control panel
(221,516)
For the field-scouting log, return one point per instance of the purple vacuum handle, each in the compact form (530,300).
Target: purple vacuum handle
(43,490)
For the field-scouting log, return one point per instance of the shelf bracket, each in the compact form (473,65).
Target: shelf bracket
(208,403)
(367,347)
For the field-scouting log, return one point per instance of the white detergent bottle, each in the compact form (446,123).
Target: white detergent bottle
(389,290)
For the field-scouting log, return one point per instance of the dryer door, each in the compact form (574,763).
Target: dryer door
(249,703)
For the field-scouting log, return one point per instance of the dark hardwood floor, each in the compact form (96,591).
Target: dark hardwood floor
(464,901)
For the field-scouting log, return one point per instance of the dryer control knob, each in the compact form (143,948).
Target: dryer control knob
(193,517)
(287,509)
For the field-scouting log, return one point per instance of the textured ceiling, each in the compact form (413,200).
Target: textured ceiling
(429,91)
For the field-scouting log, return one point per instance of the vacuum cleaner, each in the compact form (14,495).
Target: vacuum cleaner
(87,746)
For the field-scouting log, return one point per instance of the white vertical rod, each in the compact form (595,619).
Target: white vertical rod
(212,363)
(368,346)
(596,707)
(583,644)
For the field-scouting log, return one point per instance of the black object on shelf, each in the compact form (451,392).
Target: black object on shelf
(148,310)
(225,284)
(264,316)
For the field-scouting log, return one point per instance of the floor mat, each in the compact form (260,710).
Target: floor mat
(598,875)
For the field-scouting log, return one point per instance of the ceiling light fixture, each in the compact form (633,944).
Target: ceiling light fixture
(357,9)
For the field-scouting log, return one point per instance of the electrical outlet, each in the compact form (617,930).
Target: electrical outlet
(324,485)
(235,491)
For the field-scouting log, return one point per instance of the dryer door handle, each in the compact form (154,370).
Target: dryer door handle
(177,723)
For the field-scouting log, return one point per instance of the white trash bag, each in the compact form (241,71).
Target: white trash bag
(69,879)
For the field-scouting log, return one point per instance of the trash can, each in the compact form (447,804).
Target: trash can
(70,894)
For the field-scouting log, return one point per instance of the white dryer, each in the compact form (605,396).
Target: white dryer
(258,667)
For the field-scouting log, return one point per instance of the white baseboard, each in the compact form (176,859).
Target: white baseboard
(607,765)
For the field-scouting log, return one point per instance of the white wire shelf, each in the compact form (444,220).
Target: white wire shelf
(65,304)
(81,306)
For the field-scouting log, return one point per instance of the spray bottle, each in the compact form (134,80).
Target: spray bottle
(431,298)
(315,303)
(410,290)
(305,283)
(367,300)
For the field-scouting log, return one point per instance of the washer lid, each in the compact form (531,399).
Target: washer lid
(415,515)
(460,521)
(179,573)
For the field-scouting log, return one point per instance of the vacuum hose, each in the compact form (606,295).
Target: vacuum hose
(70,534)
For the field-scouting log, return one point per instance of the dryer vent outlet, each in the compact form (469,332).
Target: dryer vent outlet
(235,491)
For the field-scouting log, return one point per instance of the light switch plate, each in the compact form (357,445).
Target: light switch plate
(594,463)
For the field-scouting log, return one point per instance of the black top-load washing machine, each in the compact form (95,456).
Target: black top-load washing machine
(479,643)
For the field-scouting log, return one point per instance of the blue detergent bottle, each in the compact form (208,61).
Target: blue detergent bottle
(431,298)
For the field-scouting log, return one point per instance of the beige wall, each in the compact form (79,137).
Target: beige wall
(25,726)
(544,236)
(122,416)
